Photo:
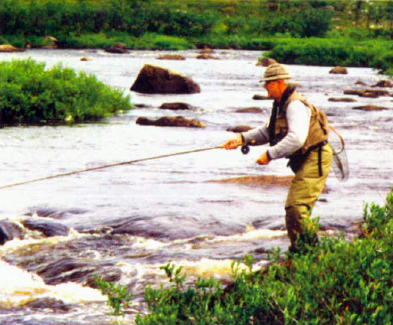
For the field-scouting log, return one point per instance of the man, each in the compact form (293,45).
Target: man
(299,131)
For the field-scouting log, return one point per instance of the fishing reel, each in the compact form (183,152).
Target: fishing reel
(245,149)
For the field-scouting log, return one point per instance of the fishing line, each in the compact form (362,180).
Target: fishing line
(109,165)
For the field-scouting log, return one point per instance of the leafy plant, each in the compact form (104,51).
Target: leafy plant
(118,296)
(30,94)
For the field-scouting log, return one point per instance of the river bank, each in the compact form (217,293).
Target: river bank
(128,221)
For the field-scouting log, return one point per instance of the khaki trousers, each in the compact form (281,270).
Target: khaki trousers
(305,190)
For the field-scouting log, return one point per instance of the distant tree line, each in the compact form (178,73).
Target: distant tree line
(191,18)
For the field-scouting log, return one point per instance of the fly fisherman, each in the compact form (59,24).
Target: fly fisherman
(299,131)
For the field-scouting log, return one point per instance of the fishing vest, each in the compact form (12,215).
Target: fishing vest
(318,131)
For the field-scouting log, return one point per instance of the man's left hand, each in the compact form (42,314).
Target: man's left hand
(263,159)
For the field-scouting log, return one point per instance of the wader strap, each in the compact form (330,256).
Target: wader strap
(320,161)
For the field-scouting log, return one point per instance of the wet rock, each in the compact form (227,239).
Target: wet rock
(48,303)
(54,213)
(118,48)
(239,128)
(383,84)
(157,80)
(339,70)
(370,108)
(206,50)
(207,57)
(173,121)
(369,93)
(176,106)
(266,62)
(175,57)
(85,59)
(255,110)
(360,83)
(260,97)
(264,180)
(9,231)
(9,48)
(109,275)
(47,227)
(68,269)
(342,99)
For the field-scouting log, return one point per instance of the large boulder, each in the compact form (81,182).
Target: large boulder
(46,227)
(156,80)
(9,231)
(173,121)
(9,48)
(339,70)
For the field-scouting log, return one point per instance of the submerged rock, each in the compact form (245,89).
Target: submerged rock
(48,303)
(370,108)
(47,227)
(260,97)
(176,57)
(383,84)
(156,80)
(176,106)
(173,121)
(239,128)
(342,99)
(255,110)
(369,93)
(207,57)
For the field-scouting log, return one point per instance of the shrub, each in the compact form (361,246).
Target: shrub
(337,282)
(29,94)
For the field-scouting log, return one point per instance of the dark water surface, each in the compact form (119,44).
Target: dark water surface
(125,222)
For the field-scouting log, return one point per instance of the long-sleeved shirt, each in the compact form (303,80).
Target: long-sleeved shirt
(298,118)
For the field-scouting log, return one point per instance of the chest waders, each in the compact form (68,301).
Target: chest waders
(311,165)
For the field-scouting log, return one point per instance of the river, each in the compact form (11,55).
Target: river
(125,222)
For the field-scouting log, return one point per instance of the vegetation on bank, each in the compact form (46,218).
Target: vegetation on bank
(338,282)
(31,94)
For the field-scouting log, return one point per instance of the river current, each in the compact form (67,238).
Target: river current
(125,222)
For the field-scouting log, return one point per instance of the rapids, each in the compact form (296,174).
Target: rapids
(127,221)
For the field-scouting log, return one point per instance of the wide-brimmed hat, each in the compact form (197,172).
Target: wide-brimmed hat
(275,71)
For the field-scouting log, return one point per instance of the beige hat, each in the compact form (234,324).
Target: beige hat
(275,72)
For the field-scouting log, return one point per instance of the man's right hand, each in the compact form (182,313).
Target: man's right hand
(233,143)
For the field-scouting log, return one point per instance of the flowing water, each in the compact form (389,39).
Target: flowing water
(124,222)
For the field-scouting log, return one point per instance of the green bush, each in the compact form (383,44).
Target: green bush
(337,282)
(29,94)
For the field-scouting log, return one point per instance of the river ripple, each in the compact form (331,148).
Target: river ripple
(127,221)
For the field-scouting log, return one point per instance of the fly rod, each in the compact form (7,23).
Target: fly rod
(109,165)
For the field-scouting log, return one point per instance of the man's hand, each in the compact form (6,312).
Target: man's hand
(263,159)
(233,143)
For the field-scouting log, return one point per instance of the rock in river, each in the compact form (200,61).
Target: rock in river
(171,121)
(47,227)
(156,80)
(176,106)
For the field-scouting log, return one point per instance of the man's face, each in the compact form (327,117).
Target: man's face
(273,90)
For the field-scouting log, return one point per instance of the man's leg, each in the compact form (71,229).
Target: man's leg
(304,192)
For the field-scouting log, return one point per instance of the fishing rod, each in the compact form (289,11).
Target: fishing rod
(110,165)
